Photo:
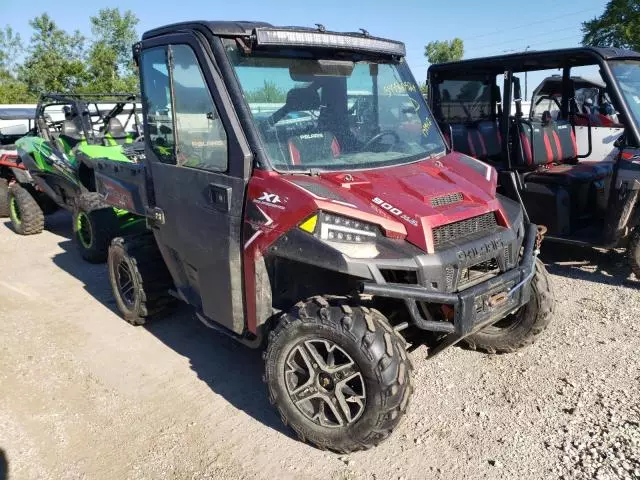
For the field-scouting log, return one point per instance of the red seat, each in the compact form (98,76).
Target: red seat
(481,139)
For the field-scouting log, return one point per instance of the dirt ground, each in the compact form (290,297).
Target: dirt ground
(84,395)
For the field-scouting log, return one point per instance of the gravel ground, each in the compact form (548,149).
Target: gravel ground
(85,395)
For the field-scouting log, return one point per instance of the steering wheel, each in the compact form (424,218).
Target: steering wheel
(382,134)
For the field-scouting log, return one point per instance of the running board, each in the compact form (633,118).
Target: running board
(254,342)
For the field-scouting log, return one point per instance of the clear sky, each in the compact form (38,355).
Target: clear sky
(487,27)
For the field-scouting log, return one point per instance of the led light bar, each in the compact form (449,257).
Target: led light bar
(275,37)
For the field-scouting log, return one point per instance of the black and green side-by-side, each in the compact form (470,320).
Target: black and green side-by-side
(57,160)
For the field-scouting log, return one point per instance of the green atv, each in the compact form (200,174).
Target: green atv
(70,131)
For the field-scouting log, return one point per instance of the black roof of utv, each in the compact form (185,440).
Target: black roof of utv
(231,28)
(534,60)
(247,28)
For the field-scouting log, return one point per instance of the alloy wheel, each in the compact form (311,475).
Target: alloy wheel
(325,383)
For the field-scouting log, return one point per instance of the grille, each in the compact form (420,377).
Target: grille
(448,199)
(463,228)
(478,273)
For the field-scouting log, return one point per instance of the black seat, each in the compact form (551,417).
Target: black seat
(550,151)
(115,133)
(312,148)
(558,191)
(480,139)
(298,100)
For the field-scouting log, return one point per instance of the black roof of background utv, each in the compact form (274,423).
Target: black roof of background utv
(535,60)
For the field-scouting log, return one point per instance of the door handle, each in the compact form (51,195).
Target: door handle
(220,196)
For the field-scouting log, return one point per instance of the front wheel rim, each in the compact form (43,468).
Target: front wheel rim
(124,282)
(325,383)
(83,227)
(15,210)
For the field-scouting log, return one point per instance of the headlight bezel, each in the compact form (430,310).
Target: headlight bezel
(351,236)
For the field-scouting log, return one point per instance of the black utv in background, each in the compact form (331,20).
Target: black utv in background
(576,169)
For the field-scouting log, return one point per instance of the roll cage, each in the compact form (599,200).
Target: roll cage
(489,68)
(93,112)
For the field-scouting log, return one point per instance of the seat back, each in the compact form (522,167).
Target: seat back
(545,142)
(489,132)
(71,134)
(115,134)
(481,139)
(311,148)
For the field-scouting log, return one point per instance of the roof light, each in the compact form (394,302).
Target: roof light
(271,37)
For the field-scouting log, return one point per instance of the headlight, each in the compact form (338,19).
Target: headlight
(350,236)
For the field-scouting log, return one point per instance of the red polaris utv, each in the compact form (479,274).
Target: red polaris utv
(575,158)
(298,194)
(14,123)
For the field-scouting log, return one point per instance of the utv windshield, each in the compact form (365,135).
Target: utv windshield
(627,74)
(335,114)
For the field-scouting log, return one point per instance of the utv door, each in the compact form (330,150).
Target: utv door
(199,163)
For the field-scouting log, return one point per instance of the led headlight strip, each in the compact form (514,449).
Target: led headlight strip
(337,228)
(353,42)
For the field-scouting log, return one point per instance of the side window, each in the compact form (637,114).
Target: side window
(201,138)
(157,97)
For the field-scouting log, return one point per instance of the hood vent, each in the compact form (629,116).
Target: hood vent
(447,199)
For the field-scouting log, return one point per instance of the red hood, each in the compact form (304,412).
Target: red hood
(421,195)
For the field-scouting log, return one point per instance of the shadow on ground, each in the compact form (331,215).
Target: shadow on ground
(58,223)
(228,368)
(607,267)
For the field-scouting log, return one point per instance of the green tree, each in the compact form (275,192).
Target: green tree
(109,61)
(618,26)
(10,49)
(269,93)
(116,31)
(55,58)
(441,51)
(12,90)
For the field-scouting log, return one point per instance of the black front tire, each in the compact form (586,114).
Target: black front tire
(139,277)
(375,349)
(25,213)
(522,327)
(4,198)
(94,226)
(633,252)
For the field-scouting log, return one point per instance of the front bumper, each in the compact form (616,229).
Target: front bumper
(475,307)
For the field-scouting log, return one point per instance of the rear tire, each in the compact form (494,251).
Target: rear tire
(353,405)
(4,198)
(139,277)
(633,252)
(25,213)
(523,327)
(94,226)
